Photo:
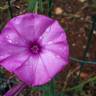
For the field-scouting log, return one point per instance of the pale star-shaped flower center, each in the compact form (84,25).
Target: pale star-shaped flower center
(35,49)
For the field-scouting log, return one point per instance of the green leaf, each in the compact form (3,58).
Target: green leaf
(32,5)
(41,7)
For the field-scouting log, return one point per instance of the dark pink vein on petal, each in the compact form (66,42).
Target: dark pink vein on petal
(9,57)
(45,30)
(18,32)
(55,53)
(57,42)
(34,71)
(24,62)
(45,67)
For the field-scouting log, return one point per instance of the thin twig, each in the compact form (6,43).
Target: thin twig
(80,85)
(10,9)
(70,73)
(88,43)
(82,61)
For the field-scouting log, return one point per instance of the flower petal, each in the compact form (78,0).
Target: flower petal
(54,63)
(26,72)
(40,70)
(61,49)
(31,26)
(11,36)
(32,72)
(42,75)
(11,63)
(54,33)
(7,49)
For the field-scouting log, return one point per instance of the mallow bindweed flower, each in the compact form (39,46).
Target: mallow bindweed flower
(33,47)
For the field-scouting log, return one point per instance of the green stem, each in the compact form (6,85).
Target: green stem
(52,89)
(36,7)
(88,42)
(10,9)
(82,61)
(41,6)
(49,7)
(80,85)
(87,47)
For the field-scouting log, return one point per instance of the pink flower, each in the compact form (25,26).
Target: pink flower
(34,47)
